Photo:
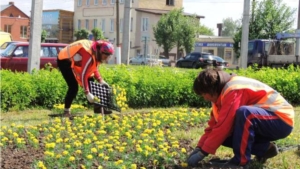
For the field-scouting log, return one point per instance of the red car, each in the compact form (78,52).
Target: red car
(15,56)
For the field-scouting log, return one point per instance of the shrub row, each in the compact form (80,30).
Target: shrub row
(145,86)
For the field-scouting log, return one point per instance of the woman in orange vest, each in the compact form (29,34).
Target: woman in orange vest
(247,115)
(78,63)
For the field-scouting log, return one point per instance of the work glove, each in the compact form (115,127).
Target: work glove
(90,97)
(103,82)
(195,157)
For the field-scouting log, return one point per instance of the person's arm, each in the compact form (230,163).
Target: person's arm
(86,63)
(207,130)
(97,75)
(223,128)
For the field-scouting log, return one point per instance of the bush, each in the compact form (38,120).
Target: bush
(145,86)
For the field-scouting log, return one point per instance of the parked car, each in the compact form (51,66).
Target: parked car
(165,61)
(220,63)
(148,60)
(5,44)
(15,56)
(195,60)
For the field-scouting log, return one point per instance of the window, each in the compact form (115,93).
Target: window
(95,23)
(112,25)
(7,28)
(131,24)
(87,2)
(104,2)
(132,1)
(144,24)
(121,1)
(23,31)
(95,2)
(170,2)
(79,24)
(87,24)
(121,25)
(113,1)
(103,25)
(79,2)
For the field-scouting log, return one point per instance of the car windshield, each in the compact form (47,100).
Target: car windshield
(219,59)
(8,51)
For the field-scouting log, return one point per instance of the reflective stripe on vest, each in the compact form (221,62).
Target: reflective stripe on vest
(71,50)
(272,101)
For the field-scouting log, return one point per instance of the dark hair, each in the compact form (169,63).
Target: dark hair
(208,81)
(97,53)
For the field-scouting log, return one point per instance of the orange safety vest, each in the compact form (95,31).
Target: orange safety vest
(70,51)
(272,101)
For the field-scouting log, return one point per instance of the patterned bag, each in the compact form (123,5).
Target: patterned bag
(105,96)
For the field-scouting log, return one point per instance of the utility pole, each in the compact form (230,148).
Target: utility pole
(245,34)
(118,50)
(298,39)
(126,32)
(145,46)
(35,35)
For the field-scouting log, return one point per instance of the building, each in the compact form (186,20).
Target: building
(15,22)
(58,25)
(217,45)
(89,14)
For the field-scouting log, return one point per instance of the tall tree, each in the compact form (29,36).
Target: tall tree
(268,18)
(165,31)
(190,29)
(229,27)
(97,34)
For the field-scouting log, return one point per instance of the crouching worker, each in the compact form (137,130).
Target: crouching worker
(78,63)
(247,115)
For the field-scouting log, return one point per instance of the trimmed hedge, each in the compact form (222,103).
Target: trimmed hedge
(145,86)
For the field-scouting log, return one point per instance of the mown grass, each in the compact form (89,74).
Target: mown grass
(289,159)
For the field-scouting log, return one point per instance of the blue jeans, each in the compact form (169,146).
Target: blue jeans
(253,130)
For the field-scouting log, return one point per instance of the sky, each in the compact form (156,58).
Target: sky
(214,11)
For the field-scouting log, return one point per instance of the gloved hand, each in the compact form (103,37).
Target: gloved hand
(103,82)
(90,97)
(195,157)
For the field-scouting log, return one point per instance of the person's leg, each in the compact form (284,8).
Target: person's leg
(254,128)
(67,73)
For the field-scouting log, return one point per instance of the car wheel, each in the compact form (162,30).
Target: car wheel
(142,63)
(178,64)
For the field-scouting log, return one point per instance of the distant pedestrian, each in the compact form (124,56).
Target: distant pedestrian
(247,115)
(78,63)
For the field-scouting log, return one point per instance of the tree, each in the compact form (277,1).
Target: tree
(81,34)
(165,31)
(268,17)
(203,30)
(97,34)
(191,28)
(43,35)
(229,27)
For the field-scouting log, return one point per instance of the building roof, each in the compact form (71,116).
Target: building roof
(3,7)
(160,12)
(11,4)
